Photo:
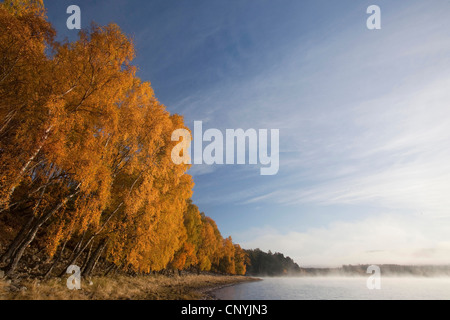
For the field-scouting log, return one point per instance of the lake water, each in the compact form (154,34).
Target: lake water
(338,288)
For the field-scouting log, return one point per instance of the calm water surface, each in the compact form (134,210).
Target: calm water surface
(335,288)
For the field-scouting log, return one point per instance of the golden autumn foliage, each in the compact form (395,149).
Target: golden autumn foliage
(85,155)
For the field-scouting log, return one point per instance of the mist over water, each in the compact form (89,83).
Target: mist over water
(339,288)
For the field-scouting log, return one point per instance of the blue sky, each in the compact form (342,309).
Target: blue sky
(363,116)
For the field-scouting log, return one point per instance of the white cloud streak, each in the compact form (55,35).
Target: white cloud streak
(380,240)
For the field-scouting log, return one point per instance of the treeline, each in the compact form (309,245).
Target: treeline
(85,157)
(270,264)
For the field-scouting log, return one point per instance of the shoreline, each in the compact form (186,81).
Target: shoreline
(208,292)
(123,287)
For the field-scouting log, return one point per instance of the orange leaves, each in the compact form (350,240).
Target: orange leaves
(241,260)
(24,7)
(227,263)
(86,144)
(25,34)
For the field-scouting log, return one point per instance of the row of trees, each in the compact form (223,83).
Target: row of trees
(85,155)
(270,264)
(205,249)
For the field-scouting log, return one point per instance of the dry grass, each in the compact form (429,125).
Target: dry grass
(158,287)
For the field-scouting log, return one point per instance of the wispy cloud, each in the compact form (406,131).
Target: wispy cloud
(399,157)
(381,240)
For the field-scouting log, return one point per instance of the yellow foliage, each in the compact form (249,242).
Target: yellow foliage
(87,146)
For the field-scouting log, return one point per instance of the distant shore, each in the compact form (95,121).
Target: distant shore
(386,270)
(154,287)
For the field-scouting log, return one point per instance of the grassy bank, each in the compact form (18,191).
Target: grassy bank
(157,287)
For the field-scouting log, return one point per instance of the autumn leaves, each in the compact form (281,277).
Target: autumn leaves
(85,156)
